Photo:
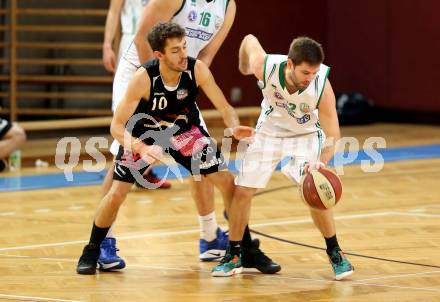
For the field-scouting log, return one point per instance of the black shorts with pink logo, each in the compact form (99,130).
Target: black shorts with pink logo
(194,149)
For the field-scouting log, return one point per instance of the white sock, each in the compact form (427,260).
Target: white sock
(208,226)
(110,233)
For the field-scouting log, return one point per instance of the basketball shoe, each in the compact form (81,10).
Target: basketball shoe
(152,178)
(214,250)
(340,264)
(88,260)
(228,266)
(253,257)
(108,259)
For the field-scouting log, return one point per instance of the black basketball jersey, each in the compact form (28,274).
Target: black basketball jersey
(168,108)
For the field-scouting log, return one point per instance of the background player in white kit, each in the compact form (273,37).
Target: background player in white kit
(207,23)
(298,112)
(127,13)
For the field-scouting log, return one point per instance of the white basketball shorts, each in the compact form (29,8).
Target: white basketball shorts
(263,155)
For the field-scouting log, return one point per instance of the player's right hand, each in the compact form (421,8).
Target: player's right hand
(109,59)
(150,154)
(244,133)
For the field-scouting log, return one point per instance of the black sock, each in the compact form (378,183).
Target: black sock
(331,243)
(247,239)
(98,235)
(234,247)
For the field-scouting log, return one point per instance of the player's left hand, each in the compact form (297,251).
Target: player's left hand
(243,133)
(313,166)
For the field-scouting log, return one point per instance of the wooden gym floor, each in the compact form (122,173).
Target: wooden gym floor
(389,221)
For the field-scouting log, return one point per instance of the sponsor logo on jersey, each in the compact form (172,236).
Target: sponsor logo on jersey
(292,106)
(218,22)
(304,108)
(192,16)
(198,34)
(278,95)
(303,119)
(282,105)
(213,162)
(181,94)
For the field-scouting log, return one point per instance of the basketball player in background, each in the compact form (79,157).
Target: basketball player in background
(207,23)
(12,137)
(298,113)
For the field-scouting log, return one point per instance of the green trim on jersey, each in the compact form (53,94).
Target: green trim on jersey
(281,74)
(264,72)
(323,86)
(180,9)
(320,143)
(226,6)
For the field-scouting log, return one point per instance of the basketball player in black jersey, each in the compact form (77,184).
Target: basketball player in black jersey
(158,114)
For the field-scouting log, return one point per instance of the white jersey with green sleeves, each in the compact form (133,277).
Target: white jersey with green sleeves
(201,20)
(130,15)
(284,114)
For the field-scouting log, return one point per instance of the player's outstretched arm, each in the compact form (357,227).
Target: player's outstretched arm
(155,11)
(111,24)
(329,122)
(251,57)
(208,53)
(206,81)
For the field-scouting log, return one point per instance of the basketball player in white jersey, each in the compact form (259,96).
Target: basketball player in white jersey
(298,113)
(207,23)
(124,12)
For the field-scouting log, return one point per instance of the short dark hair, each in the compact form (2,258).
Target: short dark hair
(158,35)
(304,49)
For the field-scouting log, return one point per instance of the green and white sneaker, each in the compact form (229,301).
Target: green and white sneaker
(340,264)
(228,266)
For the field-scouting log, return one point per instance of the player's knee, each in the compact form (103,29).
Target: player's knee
(115,198)
(243,194)
(18,135)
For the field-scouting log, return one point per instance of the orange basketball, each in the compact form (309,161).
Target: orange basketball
(320,189)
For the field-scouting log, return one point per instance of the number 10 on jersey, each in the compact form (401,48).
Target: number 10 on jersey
(161,104)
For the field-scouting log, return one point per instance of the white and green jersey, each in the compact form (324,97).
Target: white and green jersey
(130,15)
(284,114)
(201,20)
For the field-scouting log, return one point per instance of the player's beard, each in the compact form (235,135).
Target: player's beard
(297,83)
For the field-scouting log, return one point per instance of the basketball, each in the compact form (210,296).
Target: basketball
(320,189)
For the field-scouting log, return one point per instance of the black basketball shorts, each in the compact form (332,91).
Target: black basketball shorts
(194,149)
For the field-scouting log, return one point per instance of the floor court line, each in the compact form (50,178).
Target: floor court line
(400,276)
(29,298)
(347,282)
(191,231)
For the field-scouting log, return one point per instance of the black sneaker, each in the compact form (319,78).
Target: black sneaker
(89,259)
(254,258)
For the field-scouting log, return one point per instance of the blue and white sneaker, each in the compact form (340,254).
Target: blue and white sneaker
(214,250)
(109,260)
(340,264)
